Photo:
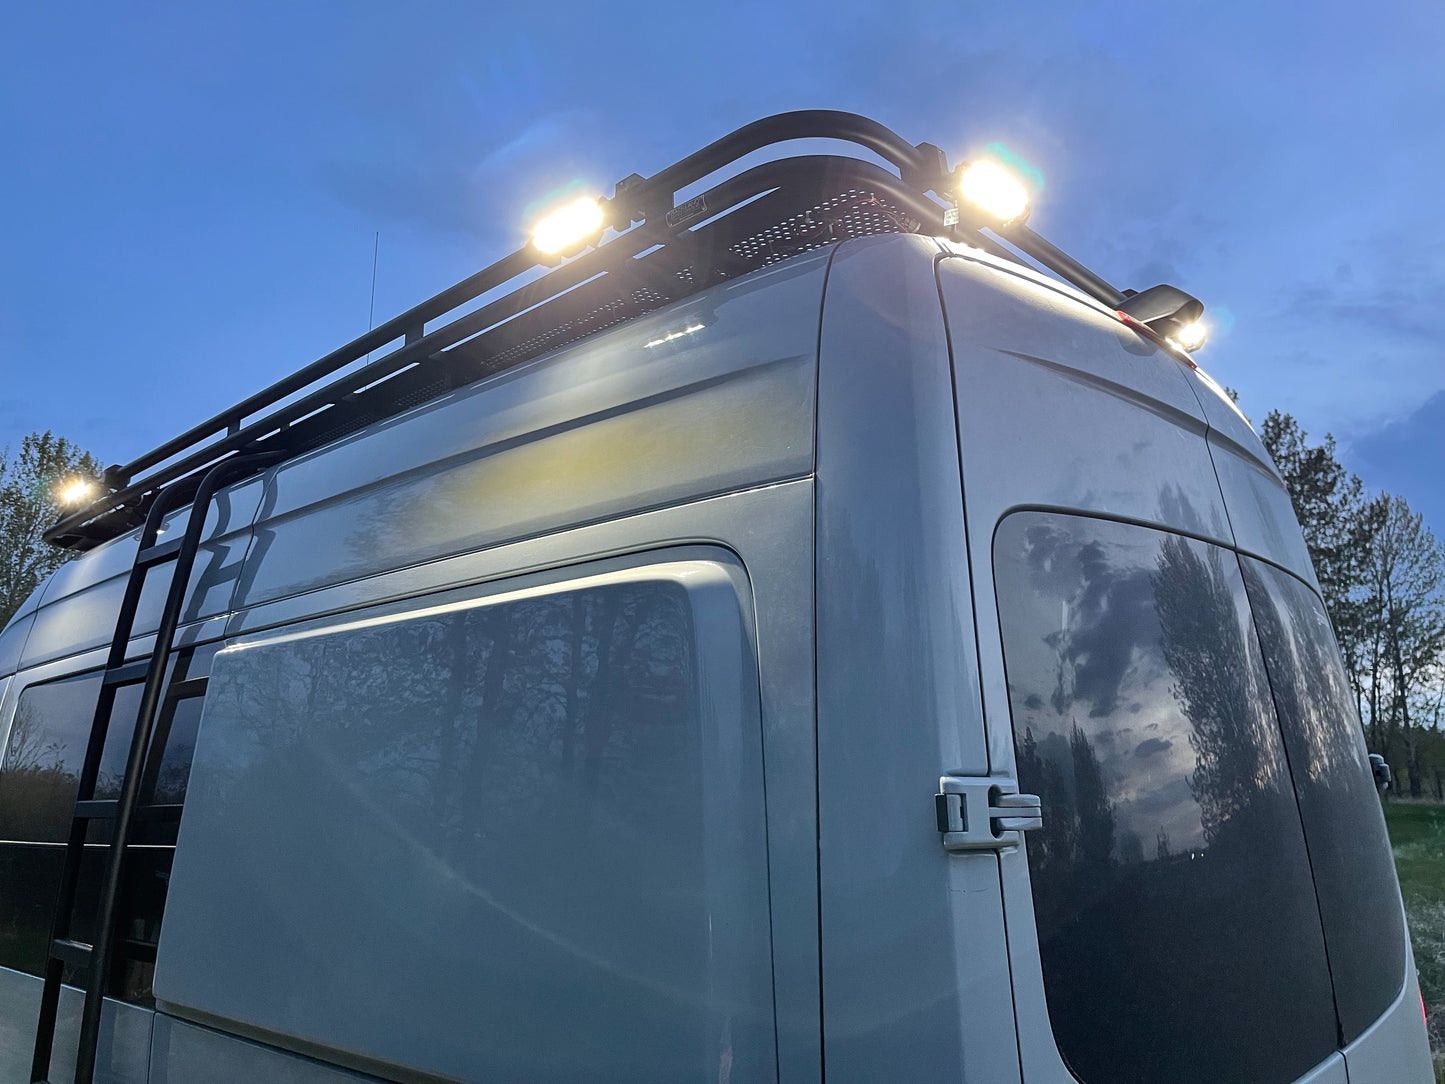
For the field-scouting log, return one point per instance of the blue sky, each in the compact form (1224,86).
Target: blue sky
(189,192)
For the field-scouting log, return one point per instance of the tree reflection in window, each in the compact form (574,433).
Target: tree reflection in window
(506,797)
(452,714)
(1344,825)
(1177,923)
(43,758)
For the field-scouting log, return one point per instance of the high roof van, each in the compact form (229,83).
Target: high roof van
(792,639)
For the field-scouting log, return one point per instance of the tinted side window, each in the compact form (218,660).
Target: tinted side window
(43,758)
(39,777)
(1344,825)
(511,840)
(1177,921)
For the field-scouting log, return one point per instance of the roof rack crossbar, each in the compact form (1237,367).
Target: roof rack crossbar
(1061,263)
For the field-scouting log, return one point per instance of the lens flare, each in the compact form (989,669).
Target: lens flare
(992,189)
(76,491)
(566,227)
(1191,336)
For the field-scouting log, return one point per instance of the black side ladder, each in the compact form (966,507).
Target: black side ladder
(121,811)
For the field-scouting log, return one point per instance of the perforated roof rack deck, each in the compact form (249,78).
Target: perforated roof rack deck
(660,251)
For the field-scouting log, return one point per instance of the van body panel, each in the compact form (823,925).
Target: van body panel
(1330,1071)
(17,630)
(629,421)
(32,600)
(1060,405)
(763,526)
(12,642)
(82,599)
(125,1034)
(1396,1047)
(914,969)
(182,1053)
(1260,512)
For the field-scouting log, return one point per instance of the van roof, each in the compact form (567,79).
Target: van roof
(659,251)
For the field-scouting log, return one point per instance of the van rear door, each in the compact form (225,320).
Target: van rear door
(1163,923)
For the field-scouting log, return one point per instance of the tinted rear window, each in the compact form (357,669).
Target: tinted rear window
(1344,826)
(1177,922)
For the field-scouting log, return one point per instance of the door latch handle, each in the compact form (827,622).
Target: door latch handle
(977,813)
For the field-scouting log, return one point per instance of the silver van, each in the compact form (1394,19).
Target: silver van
(791,638)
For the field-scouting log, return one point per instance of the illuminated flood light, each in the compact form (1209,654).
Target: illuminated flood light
(1191,336)
(995,191)
(76,492)
(568,226)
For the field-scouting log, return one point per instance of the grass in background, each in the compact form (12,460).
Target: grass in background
(1417,835)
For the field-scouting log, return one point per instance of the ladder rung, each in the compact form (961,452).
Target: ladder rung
(130,674)
(95,809)
(144,951)
(160,552)
(170,811)
(76,953)
(182,690)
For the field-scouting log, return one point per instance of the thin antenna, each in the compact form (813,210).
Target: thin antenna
(371,311)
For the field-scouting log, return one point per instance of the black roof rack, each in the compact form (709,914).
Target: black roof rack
(661,251)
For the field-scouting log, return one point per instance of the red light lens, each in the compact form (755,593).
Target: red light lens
(1423,1015)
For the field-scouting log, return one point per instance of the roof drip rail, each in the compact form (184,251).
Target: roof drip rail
(437,362)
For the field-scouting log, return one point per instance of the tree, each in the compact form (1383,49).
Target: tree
(1327,501)
(29,477)
(1402,601)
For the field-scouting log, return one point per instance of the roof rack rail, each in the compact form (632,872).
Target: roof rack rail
(660,251)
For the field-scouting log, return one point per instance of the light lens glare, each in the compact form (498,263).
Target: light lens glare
(1191,336)
(994,190)
(564,228)
(76,492)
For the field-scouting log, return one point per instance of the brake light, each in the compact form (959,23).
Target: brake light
(1423,1015)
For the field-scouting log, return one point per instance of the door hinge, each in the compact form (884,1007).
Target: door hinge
(981,813)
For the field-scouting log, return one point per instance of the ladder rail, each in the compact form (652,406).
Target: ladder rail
(60,932)
(100,951)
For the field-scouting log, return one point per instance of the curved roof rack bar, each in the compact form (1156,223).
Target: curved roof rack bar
(783,127)
(799,124)
(636,199)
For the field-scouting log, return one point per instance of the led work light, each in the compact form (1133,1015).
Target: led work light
(1191,336)
(76,491)
(995,191)
(569,226)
